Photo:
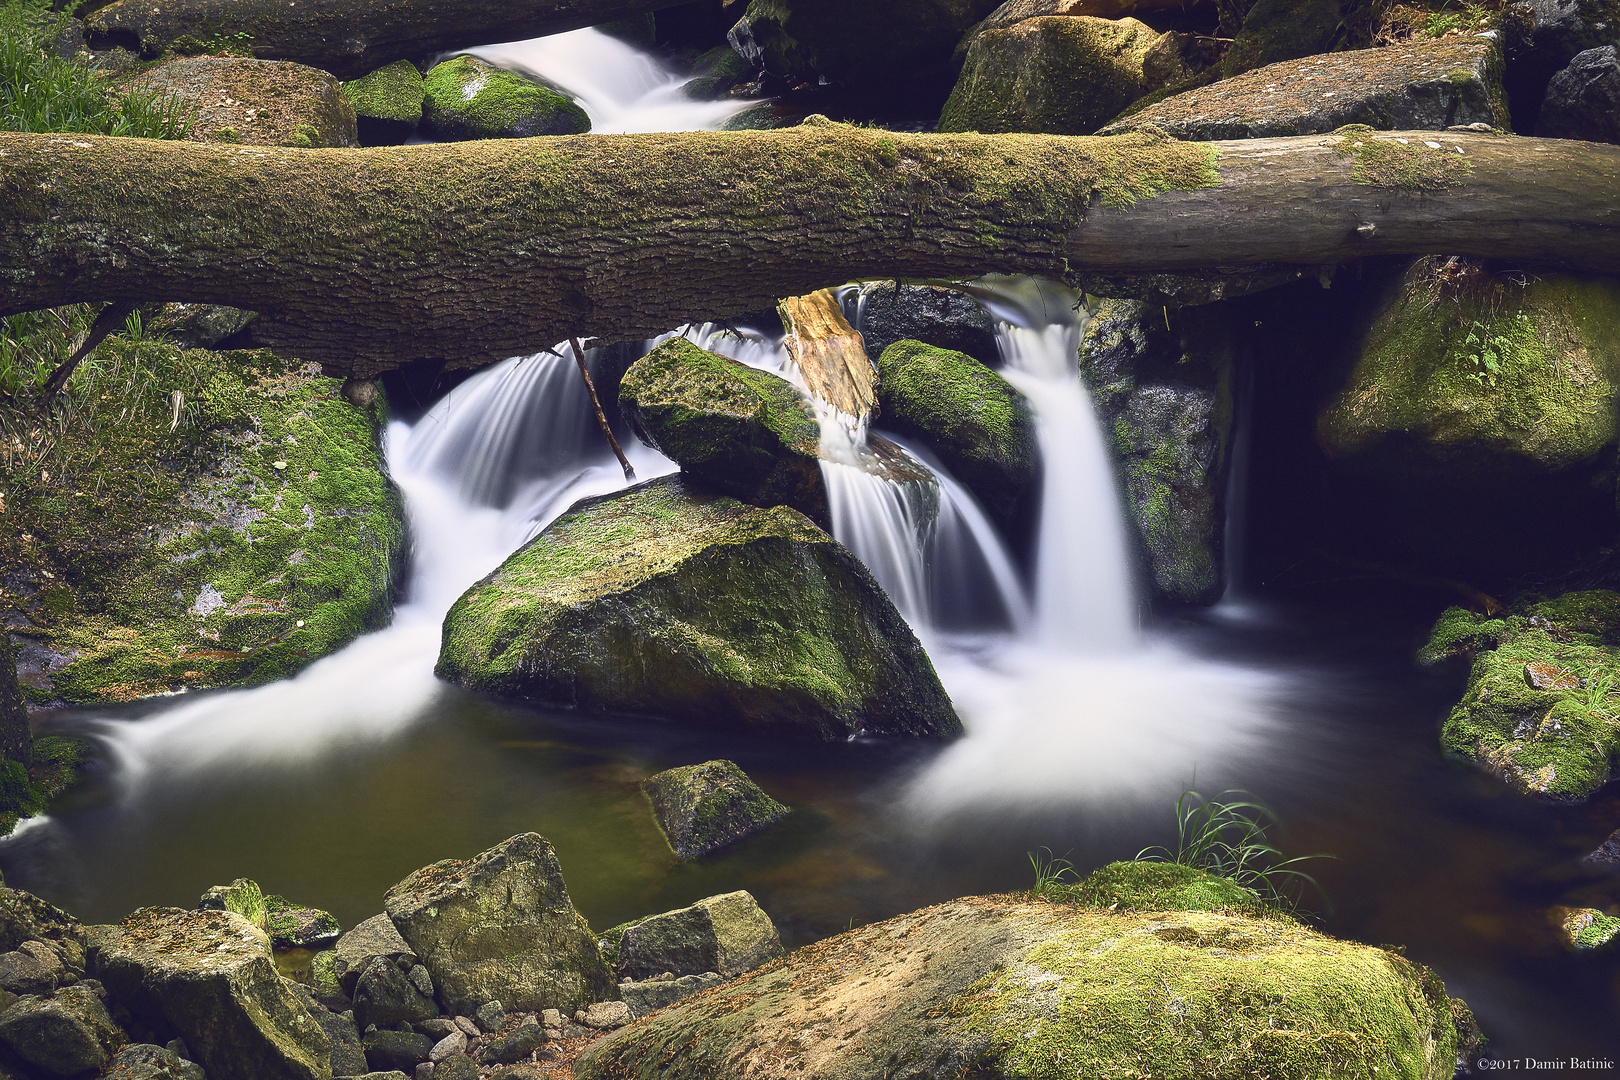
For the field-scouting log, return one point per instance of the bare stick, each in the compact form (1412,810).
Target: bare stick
(111,318)
(596,403)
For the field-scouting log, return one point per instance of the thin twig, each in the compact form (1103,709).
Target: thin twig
(601,417)
(111,318)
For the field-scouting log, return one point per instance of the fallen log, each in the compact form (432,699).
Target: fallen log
(346,37)
(470,252)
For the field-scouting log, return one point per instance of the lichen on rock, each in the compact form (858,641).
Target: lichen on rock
(256,102)
(469,99)
(728,934)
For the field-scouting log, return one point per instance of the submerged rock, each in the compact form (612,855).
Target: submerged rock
(703,808)
(256,102)
(1062,75)
(208,976)
(1415,85)
(976,421)
(501,927)
(469,99)
(235,525)
(388,103)
(1557,742)
(1583,100)
(669,601)
(729,934)
(747,433)
(64,1034)
(1029,988)
(947,318)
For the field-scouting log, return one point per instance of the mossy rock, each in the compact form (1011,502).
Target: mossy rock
(1585,929)
(1556,744)
(703,808)
(1061,75)
(746,433)
(854,42)
(670,601)
(388,103)
(1160,886)
(976,421)
(1001,986)
(256,102)
(727,934)
(215,519)
(469,99)
(243,897)
(1275,30)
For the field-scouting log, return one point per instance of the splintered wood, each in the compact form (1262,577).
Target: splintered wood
(829,352)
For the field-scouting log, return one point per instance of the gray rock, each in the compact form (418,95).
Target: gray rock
(456,1068)
(199,326)
(524,1072)
(385,995)
(607,1015)
(1417,85)
(490,1015)
(370,939)
(389,1074)
(402,1050)
(1607,854)
(66,1033)
(25,917)
(703,808)
(33,969)
(1583,100)
(437,1027)
(1546,35)
(208,975)
(500,926)
(519,1045)
(453,1043)
(1275,30)
(421,980)
(891,312)
(728,934)
(348,1055)
(468,1027)
(143,1061)
(661,990)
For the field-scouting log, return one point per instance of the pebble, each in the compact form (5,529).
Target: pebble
(453,1043)
(467,1027)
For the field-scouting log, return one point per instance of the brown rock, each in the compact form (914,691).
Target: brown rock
(257,102)
(1544,676)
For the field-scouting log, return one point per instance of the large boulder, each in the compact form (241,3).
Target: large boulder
(64,1034)
(145,1061)
(1163,387)
(1583,100)
(951,319)
(256,102)
(1538,710)
(1478,419)
(234,522)
(729,934)
(704,808)
(671,601)
(999,986)
(501,927)
(208,977)
(388,103)
(25,919)
(469,99)
(744,432)
(977,423)
(1415,85)
(1543,36)
(1062,75)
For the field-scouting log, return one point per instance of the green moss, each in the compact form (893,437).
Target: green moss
(703,808)
(1460,632)
(1389,161)
(1600,931)
(1159,886)
(388,102)
(466,98)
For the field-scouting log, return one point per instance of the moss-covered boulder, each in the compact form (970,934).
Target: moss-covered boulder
(1162,383)
(1160,886)
(1061,75)
(67,1033)
(289,926)
(1480,411)
(1275,30)
(728,934)
(501,927)
(891,311)
(207,519)
(703,808)
(976,421)
(388,103)
(1003,986)
(1540,709)
(469,99)
(744,432)
(671,601)
(256,102)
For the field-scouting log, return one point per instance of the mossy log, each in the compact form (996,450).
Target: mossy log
(346,37)
(468,253)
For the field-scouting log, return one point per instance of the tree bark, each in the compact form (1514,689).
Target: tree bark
(471,252)
(348,37)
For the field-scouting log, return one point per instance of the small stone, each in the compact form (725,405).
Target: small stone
(453,1043)
(467,1027)
(703,808)
(490,1015)
(456,1068)
(1544,676)
(396,1050)
(606,1015)
(1584,929)
(437,1028)
(424,1071)
(551,1018)
(421,980)
(553,1034)
(515,1047)
(579,1016)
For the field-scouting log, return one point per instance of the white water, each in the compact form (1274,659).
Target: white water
(622,89)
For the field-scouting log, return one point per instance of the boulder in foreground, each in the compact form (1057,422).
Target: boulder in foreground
(665,600)
(256,102)
(728,934)
(703,808)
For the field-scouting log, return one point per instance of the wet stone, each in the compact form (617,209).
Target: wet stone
(1544,676)
(703,808)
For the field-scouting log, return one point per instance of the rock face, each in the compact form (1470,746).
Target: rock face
(1002,987)
(703,808)
(1277,30)
(230,545)
(670,601)
(1583,100)
(501,927)
(744,432)
(661,990)
(1062,75)
(892,312)
(370,939)
(208,977)
(976,421)
(469,99)
(1557,744)
(729,934)
(387,103)
(1416,85)
(1165,397)
(64,1034)
(257,102)
(855,43)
